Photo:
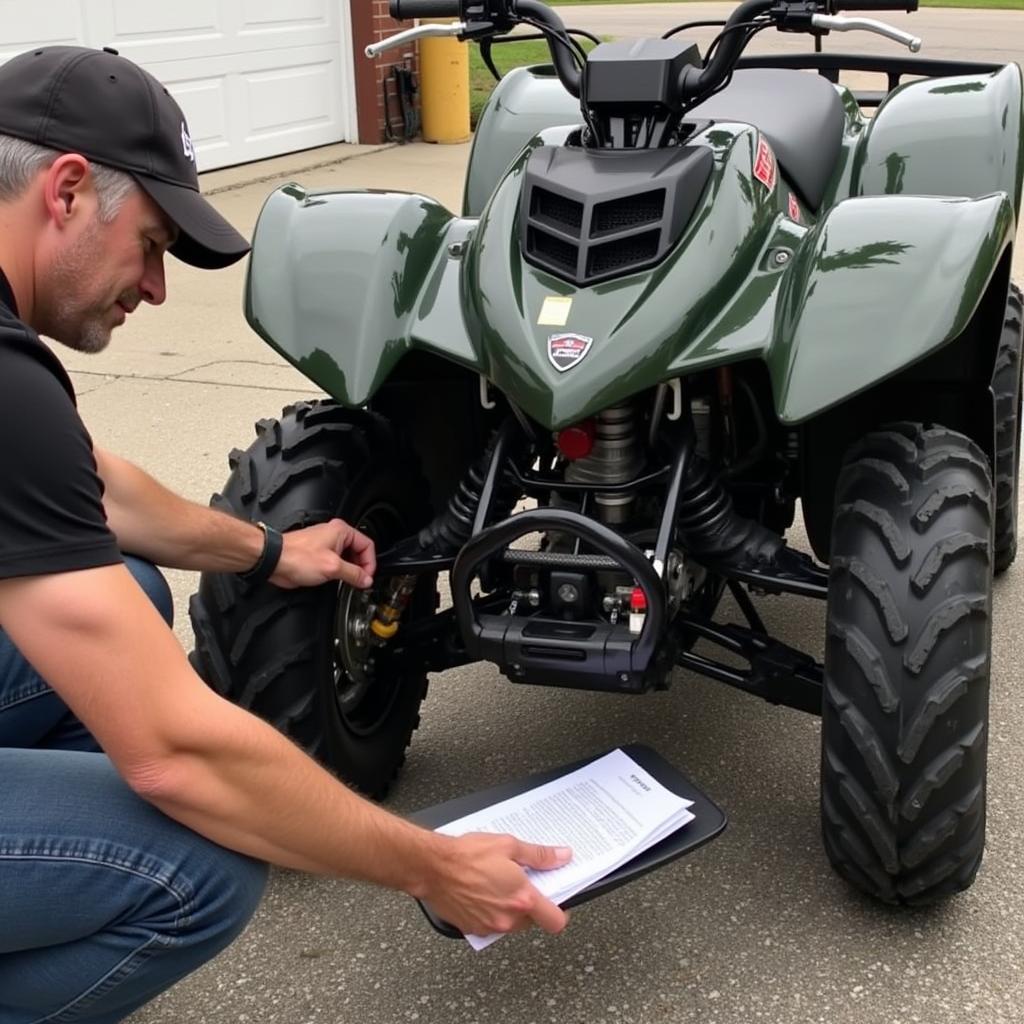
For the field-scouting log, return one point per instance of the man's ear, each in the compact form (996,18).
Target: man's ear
(67,190)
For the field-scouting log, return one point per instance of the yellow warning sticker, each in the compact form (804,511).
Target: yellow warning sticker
(555,311)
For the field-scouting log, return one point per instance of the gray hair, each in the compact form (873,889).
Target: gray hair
(21,161)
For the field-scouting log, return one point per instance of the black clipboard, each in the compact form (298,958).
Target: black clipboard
(709,821)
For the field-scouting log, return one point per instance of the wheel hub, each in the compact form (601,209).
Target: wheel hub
(353,652)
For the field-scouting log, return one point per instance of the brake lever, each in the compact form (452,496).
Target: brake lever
(412,34)
(834,23)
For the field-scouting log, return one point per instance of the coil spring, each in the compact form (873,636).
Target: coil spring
(450,530)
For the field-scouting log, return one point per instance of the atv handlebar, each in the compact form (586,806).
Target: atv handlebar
(406,10)
(874,5)
(725,57)
(484,18)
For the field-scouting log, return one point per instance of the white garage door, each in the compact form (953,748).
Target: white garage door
(255,78)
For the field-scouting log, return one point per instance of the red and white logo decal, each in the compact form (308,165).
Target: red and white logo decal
(794,208)
(764,165)
(566,350)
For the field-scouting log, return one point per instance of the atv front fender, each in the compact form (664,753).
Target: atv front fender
(523,104)
(958,136)
(877,285)
(340,283)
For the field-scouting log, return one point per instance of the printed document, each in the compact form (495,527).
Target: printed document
(609,811)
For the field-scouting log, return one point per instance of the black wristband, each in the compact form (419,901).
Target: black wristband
(273,545)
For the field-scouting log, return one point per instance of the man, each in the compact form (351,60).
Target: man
(122,871)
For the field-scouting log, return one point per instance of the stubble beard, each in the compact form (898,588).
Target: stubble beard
(82,328)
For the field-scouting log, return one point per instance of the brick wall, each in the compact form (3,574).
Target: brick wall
(370,23)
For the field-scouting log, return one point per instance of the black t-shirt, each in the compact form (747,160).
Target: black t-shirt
(51,497)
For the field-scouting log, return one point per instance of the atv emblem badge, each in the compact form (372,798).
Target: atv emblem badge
(566,350)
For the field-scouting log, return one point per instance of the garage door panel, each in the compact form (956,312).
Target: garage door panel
(288,100)
(156,51)
(267,15)
(246,64)
(22,26)
(205,104)
(193,18)
(255,78)
(207,30)
(251,104)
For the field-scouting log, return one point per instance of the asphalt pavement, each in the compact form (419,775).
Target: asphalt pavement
(754,927)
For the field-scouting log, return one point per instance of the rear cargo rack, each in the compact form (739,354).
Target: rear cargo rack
(830,65)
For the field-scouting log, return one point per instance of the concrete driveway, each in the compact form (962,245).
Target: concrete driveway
(753,928)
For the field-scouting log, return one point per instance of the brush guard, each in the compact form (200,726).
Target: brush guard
(591,654)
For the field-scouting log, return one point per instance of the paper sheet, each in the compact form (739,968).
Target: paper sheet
(609,811)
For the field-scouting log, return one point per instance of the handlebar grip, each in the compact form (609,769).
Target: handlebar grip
(406,10)
(874,5)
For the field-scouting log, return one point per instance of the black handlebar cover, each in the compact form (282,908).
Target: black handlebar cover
(497,13)
(406,10)
(874,5)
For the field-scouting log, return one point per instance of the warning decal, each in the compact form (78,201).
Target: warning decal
(764,165)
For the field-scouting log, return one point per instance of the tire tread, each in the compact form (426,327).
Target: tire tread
(905,727)
(260,646)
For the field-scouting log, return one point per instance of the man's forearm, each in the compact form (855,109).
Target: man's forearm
(153,522)
(234,779)
(240,783)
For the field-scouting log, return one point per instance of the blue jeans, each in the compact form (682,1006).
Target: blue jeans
(104,901)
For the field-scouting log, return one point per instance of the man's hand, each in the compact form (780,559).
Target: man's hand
(326,551)
(480,887)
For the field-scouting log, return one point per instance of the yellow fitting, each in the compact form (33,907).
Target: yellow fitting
(444,89)
(384,630)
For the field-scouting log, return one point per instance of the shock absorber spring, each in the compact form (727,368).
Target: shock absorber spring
(448,533)
(617,457)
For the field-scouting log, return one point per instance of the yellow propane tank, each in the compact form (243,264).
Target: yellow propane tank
(444,89)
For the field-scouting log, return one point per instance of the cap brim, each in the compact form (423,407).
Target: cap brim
(205,238)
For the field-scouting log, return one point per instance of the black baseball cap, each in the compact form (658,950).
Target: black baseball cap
(104,106)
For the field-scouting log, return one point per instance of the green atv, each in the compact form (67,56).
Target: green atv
(686,291)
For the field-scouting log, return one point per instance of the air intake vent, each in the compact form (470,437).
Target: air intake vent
(612,256)
(551,208)
(552,251)
(590,215)
(628,212)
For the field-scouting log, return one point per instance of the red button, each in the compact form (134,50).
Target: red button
(577,441)
(638,600)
